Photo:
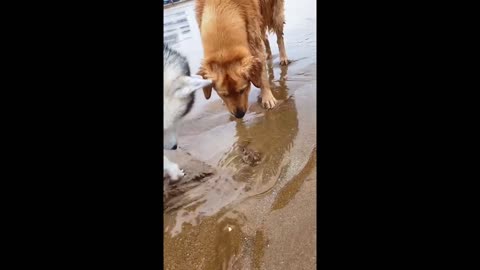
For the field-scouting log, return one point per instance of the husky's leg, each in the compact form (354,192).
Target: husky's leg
(171,169)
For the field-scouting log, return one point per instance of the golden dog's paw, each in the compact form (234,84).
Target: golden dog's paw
(268,100)
(284,61)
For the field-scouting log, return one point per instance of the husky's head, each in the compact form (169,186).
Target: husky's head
(178,93)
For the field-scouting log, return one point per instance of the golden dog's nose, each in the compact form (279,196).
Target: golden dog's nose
(239,113)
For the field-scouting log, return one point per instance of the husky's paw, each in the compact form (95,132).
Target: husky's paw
(268,100)
(174,172)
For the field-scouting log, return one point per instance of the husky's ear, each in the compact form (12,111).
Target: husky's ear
(207,91)
(190,85)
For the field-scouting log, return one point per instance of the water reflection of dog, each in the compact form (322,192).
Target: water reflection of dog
(260,153)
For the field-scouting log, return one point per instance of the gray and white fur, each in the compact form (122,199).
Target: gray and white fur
(178,97)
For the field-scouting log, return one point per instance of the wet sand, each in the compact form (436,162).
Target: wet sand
(248,200)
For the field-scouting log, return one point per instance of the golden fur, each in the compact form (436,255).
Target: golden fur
(234,37)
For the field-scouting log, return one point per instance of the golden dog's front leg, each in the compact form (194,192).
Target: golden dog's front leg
(268,100)
(267,47)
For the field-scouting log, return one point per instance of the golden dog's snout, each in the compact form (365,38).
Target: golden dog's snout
(239,113)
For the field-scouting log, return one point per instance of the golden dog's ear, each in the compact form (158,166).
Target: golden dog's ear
(252,68)
(207,91)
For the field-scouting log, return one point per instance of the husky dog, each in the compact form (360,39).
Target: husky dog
(178,97)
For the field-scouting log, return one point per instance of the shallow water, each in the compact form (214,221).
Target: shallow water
(256,210)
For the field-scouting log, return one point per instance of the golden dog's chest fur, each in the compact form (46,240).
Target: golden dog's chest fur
(235,43)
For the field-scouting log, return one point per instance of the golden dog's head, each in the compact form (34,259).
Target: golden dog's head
(231,73)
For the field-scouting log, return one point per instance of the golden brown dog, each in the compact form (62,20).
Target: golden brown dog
(234,37)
